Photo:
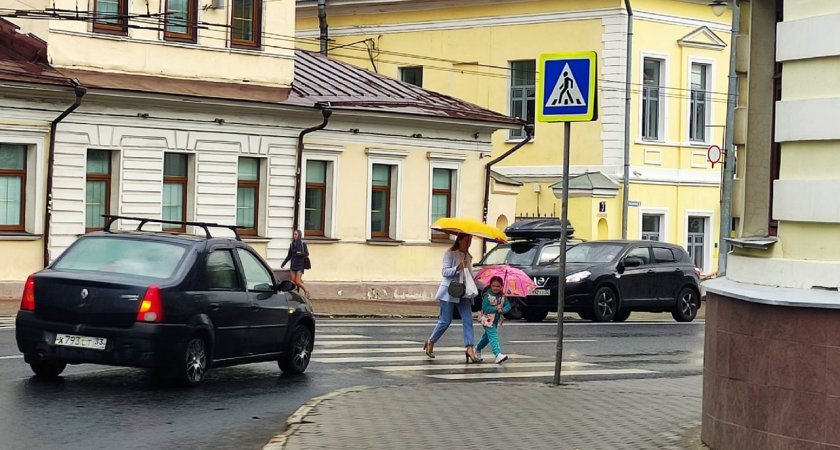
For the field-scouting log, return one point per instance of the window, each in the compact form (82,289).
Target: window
(550,253)
(113,254)
(413,75)
(651,95)
(642,254)
(697,240)
(314,216)
(175,190)
(247,195)
(522,89)
(245,27)
(12,187)
(699,112)
(221,272)
(651,226)
(97,189)
(257,277)
(663,255)
(180,21)
(380,203)
(110,16)
(442,198)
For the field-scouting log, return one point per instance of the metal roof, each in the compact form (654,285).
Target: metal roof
(321,79)
(23,57)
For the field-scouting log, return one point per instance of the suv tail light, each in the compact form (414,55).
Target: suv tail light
(151,307)
(27,300)
(698,272)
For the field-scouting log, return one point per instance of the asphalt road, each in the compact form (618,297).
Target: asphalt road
(242,407)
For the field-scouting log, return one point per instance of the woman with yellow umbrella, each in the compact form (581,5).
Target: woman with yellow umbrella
(457,263)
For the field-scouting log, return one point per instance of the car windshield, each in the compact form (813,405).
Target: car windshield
(141,257)
(593,253)
(513,254)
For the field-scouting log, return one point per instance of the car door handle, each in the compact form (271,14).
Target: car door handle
(255,307)
(215,306)
(677,270)
(650,271)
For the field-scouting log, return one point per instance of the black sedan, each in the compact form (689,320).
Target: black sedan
(176,304)
(607,280)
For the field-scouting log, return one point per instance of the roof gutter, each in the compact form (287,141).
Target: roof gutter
(326,113)
(529,134)
(80,92)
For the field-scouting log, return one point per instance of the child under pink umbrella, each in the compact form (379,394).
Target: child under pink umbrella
(493,306)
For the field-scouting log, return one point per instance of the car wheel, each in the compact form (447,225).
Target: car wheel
(192,366)
(515,313)
(47,369)
(535,315)
(606,305)
(688,303)
(297,358)
(586,315)
(621,315)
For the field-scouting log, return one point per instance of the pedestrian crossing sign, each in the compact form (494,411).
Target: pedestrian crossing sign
(566,89)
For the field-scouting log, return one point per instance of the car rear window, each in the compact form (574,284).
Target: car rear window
(154,259)
(663,255)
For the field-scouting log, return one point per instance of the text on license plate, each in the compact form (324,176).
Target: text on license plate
(541,292)
(71,340)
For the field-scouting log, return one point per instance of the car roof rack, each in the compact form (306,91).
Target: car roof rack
(110,219)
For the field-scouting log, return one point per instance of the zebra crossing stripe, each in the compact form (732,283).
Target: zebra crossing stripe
(341,336)
(488,364)
(546,373)
(395,359)
(349,351)
(342,342)
(11,357)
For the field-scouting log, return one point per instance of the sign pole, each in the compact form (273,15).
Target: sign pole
(561,276)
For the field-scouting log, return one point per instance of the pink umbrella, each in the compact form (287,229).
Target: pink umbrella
(516,283)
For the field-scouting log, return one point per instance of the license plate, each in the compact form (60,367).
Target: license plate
(70,340)
(541,292)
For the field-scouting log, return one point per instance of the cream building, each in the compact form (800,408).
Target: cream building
(197,115)
(485,52)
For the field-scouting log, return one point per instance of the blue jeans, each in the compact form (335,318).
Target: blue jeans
(445,318)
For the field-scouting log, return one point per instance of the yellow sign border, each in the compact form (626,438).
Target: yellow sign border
(592,102)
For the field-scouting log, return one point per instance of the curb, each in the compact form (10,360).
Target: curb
(294,421)
(373,316)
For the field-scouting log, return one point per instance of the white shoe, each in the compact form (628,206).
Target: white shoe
(500,358)
(478,355)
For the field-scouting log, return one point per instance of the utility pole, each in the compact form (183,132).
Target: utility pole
(628,77)
(728,169)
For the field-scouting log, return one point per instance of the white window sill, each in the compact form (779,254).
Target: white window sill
(12,236)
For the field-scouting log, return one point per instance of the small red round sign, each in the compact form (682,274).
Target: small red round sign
(714,154)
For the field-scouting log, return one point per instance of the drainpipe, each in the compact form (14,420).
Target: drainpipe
(628,77)
(326,112)
(729,147)
(80,92)
(322,25)
(529,134)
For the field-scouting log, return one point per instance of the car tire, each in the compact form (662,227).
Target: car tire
(47,369)
(515,313)
(621,315)
(297,358)
(687,305)
(193,362)
(605,305)
(586,315)
(534,315)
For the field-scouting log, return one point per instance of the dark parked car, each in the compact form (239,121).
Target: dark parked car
(607,280)
(174,303)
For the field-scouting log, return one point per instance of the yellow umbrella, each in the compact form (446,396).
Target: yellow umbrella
(455,225)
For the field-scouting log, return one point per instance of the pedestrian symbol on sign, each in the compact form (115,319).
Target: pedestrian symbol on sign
(566,91)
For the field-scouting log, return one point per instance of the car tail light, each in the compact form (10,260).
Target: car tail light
(27,300)
(151,306)
(698,272)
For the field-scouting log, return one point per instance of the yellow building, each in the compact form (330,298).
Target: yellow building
(484,52)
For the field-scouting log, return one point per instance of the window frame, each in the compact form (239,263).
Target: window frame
(257,185)
(387,190)
(256,19)
(415,71)
(21,173)
(662,105)
(393,158)
(523,98)
(663,214)
(192,19)
(708,66)
(331,155)
(453,165)
(106,177)
(184,182)
(323,206)
(120,28)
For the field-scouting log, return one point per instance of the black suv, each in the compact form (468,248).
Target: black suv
(177,304)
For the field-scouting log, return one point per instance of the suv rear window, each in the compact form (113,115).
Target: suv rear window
(153,259)
(663,255)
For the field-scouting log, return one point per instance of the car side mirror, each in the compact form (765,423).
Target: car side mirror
(286,286)
(632,262)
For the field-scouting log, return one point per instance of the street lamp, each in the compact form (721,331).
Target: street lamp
(718,7)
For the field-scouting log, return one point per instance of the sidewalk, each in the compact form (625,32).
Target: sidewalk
(652,413)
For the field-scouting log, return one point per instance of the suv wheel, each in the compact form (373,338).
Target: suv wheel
(47,369)
(515,312)
(192,366)
(535,315)
(621,315)
(687,305)
(606,305)
(296,359)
